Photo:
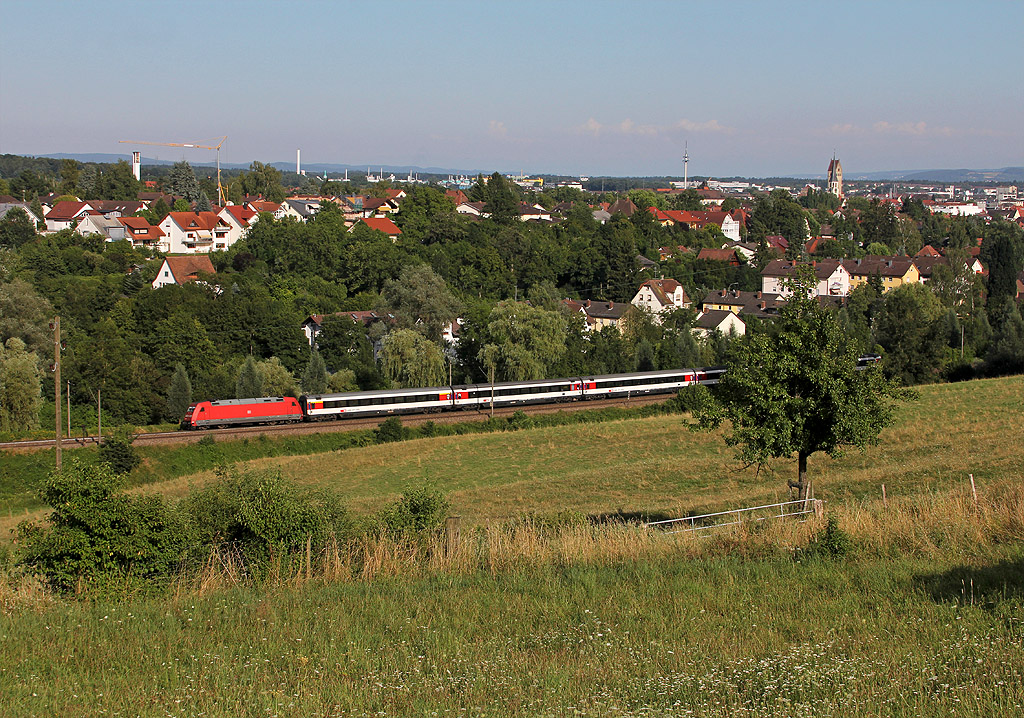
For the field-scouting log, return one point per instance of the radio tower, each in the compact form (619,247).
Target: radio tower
(686,166)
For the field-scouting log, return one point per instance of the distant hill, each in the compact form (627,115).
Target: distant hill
(1004,174)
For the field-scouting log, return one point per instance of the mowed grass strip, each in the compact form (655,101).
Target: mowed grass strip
(657,467)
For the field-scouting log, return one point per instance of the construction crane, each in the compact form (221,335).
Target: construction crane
(194,146)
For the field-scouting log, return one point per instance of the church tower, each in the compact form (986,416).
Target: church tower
(835,177)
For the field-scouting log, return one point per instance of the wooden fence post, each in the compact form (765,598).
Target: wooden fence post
(452,526)
(974,491)
(885,499)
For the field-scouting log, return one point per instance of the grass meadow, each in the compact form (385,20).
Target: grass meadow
(922,616)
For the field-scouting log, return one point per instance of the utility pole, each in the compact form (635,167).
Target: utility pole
(69,409)
(55,326)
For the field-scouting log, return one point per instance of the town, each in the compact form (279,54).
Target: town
(647,278)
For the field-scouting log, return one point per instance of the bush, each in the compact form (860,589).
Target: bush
(830,542)
(391,429)
(417,511)
(264,514)
(519,420)
(117,451)
(101,539)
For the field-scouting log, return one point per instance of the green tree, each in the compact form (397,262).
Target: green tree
(118,181)
(179,394)
(799,391)
(688,200)
(502,200)
(249,384)
(522,342)
(275,379)
(408,359)
(419,209)
(16,228)
(20,393)
(262,180)
(909,328)
(26,315)
(182,182)
(314,379)
(419,299)
(70,171)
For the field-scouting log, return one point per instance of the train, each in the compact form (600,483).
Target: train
(328,407)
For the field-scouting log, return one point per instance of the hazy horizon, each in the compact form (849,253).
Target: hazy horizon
(570,88)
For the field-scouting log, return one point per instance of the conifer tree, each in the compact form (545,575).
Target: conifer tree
(179,395)
(249,384)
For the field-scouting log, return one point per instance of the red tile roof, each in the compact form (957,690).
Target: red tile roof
(196,220)
(382,224)
(187,268)
(241,213)
(66,210)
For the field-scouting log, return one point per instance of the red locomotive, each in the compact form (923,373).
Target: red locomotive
(239,412)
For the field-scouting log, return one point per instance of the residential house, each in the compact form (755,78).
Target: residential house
(711,197)
(142,234)
(660,296)
(180,270)
(474,209)
(533,213)
(892,271)
(313,325)
(239,218)
(738,302)
(457,196)
(195,232)
(729,256)
(600,215)
(598,314)
(300,209)
(260,206)
(728,222)
(114,208)
(622,206)
(95,223)
(718,320)
(65,214)
(831,277)
(6,207)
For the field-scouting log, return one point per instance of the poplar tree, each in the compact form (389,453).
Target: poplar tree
(179,395)
(248,385)
(314,379)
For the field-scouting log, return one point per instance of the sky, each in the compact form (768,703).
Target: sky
(752,89)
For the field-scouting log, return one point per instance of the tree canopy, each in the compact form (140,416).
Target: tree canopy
(799,391)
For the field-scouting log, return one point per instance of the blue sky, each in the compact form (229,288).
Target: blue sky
(754,88)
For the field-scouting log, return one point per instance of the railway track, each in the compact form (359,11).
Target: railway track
(242,432)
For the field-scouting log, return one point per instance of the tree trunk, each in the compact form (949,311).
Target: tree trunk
(801,483)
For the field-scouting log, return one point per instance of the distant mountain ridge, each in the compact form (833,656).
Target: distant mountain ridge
(1004,174)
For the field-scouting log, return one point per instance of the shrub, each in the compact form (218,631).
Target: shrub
(417,511)
(831,541)
(391,429)
(99,538)
(519,420)
(264,514)
(117,451)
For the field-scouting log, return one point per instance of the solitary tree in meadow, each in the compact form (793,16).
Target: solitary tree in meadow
(799,391)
